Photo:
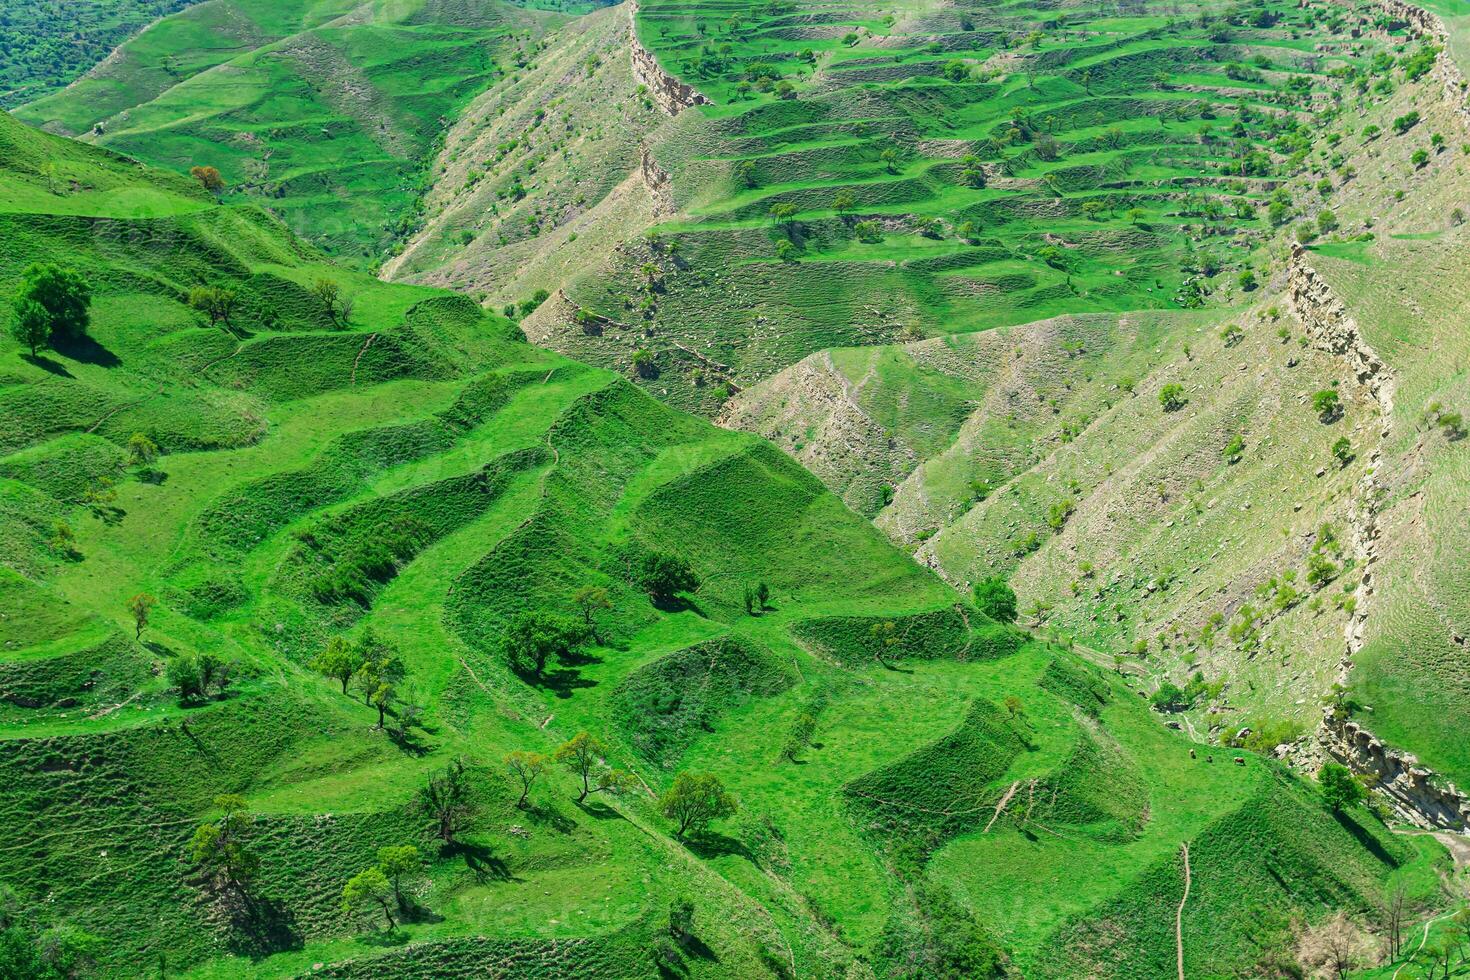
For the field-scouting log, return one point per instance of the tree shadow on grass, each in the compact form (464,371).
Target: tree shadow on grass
(712,844)
(550,816)
(480,860)
(46,364)
(1365,839)
(85,349)
(263,927)
(562,682)
(382,938)
(414,912)
(695,946)
(597,810)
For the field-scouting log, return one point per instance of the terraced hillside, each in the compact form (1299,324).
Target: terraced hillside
(862,176)
(326,113)
(911,776)
(1234,532)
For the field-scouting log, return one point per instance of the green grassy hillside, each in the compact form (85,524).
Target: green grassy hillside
(411,476)
(943,170)
(327,113)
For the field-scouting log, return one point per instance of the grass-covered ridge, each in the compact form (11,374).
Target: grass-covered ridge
(327,113)
(409,475)
(869,174)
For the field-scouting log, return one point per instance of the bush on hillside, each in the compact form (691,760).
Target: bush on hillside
(996,599)
(663,576)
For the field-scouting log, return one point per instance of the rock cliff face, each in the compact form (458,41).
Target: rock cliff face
(667,92)
(1430,28)
(658,182)
(1332,330)
(1415,792)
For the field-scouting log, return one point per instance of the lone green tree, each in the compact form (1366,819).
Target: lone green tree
(533,638)
(369,891)
(1339,789)
(1327,403)
(62,293)
(592,599)
(215,302)
(1171,397)
(400,864)
(140,607)
(663,576)
(996,599)
(581,755)
(142,451)
(339,660)
(220,849)
(447,799)
(694,801)
(31,325)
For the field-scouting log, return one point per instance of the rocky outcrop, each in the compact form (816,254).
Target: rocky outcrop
(658,182)
(1430,28)
(1333,330)
(667,92)
(1415,793)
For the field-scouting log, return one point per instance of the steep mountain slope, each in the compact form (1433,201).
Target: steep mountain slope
(325,112)
(1241,533)
(412,476)
(935,171)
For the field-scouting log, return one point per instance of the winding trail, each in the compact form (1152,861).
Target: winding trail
(1179,912)
(358,359)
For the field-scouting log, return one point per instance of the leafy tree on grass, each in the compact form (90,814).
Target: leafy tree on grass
(843,202)
(533,638)
(62,293)
(1342,451)
(581,755)
(400,865)
(183,676)
(644,364)
(209,178)
(139,607)
(339,661)
(448,801)
(694,801)
(329,294)
(1171,397)
(370,891)
(527,767)
(142,451)
(220,850)
(664,576)
(31,325)
(215,302)
(996,599)
(1339,789)
(1170,697)
(885,639)
(783,213)
(1327,403)
(870,232)
(379,665)
(590,599)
